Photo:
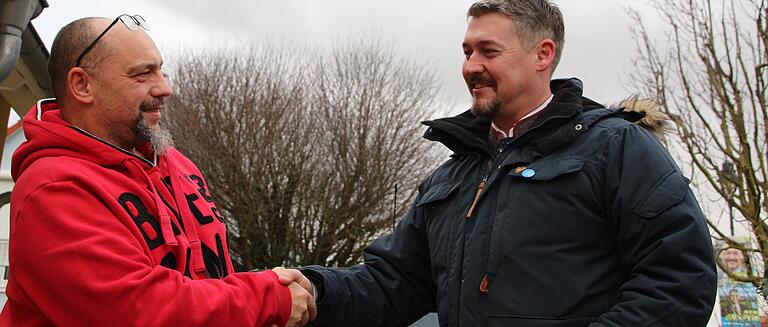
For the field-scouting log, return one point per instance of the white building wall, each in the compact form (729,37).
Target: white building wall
(6,185)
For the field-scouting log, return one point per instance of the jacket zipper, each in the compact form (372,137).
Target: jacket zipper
(480,189)
(124,151)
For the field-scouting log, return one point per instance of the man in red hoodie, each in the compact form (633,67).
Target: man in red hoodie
(112,225)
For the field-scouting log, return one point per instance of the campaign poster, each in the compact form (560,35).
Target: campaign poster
(738,300)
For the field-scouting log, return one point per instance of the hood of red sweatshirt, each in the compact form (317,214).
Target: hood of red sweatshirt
(48,135)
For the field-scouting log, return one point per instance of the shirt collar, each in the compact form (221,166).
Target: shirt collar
(501,134)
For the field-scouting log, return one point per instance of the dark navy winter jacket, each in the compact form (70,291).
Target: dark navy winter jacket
(584,220)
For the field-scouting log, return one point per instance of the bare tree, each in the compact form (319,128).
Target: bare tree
(304,154)
(711,80)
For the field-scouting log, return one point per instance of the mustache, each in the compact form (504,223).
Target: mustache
(477,79)
(151,104)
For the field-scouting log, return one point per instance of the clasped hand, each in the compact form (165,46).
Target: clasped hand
(303,307)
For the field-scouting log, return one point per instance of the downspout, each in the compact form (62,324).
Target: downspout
(14,18)
(34,53)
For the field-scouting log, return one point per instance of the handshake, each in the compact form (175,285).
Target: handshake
(303,307)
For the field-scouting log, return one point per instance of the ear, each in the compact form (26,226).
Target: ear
(79,85)
(545,54)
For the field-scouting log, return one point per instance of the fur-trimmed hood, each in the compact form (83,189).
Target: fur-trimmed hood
(647,114)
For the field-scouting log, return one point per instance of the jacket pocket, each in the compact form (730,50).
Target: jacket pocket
(548,170)
(435,203)
(437,193)
(668,191)
(549,254)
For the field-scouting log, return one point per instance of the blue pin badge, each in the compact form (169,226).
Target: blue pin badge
(528,173)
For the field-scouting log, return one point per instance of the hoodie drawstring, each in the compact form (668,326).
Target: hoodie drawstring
(165,219)
(190,226)
(198,264)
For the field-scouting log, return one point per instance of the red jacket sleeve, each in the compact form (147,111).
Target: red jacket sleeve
(76,264)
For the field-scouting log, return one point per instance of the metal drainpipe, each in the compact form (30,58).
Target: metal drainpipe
(14,18)
(33,51)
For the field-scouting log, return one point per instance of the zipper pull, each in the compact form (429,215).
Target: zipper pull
(484,284)
(477,197)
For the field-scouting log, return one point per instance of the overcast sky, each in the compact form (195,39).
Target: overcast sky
(598,50)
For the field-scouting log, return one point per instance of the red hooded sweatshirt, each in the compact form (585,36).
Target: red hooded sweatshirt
(100,236)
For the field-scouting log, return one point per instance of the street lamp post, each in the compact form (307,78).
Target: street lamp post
(729,173)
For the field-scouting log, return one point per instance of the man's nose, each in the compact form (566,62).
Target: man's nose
(162,89)
(473,65)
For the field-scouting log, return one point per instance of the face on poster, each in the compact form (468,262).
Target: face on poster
(738,300)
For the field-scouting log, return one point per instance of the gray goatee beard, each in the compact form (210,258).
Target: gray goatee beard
(489,110)
(160,139)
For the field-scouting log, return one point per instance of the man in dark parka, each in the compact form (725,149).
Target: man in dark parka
(553,211)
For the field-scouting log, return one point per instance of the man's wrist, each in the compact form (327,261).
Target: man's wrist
(317,283)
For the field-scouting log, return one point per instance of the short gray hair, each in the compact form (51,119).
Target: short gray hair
(534,20)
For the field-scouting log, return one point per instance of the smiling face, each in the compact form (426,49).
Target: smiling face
(733,259)
(129,87)
(733,296)
(504,77)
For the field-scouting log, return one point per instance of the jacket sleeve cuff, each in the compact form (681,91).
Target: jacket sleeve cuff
(318,286)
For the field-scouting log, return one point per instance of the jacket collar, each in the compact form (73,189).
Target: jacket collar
(555,125)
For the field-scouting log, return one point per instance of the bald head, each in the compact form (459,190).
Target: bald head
(71,40)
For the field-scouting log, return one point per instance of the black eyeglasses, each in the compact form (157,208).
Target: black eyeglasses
(131,22)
